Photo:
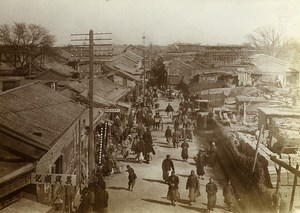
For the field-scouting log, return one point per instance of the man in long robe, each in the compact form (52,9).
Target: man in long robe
(173,194)
(185,150)
(167,166)
(211,189)
(193,186)
(148,146)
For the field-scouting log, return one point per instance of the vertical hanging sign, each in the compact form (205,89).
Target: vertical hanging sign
(101,142)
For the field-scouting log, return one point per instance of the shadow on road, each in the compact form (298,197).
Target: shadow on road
(158,202)
(165,146)
(117,188)
(154,181)
(216,206)
(183,201)
(183,175)
(196,209)
(128,160)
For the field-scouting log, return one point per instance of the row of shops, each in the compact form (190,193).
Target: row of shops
(44,142)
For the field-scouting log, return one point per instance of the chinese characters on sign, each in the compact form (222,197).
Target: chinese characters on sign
(100,143)
(112,110)
(54,179)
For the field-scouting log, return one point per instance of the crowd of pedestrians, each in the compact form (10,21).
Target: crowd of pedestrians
(132,136)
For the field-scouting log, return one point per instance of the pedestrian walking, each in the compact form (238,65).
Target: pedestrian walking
(228,194)
(213,154)
(169,110)
(167,166)
(190,130)
(193,186)
(168,134)
(173,193)
(176,138)
(131,177)
(148,146)
(185,150)
(126,147)
(139,149)
(211,190)
(157,119)
(201,162)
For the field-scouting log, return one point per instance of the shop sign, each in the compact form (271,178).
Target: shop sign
(53,179)
(112,110)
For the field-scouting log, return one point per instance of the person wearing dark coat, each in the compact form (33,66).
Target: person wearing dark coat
(169,110)
(193,186)
(185,150)
(167,166)
(139,149)
(101,195)
(148,146)
(201,163)
(176,138)
(173,194)
(131,177)
(228,194)
(168,134)
(211,189)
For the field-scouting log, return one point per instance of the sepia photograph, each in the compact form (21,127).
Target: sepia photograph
(149,106)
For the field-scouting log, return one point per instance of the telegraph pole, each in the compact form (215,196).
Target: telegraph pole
(91,146)
(144,68)
(91,142)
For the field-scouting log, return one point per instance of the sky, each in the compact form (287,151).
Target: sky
(162,22)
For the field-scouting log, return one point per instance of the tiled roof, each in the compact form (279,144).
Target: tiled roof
(133,56)
(128,69)
(269,64)
(64,70)
(106,92)
(37,113)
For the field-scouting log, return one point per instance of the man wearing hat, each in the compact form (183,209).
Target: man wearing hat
(167,166)
(201,162)
(211,189)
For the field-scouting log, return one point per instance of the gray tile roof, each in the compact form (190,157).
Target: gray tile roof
(37,113)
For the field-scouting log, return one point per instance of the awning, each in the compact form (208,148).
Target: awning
(27,206)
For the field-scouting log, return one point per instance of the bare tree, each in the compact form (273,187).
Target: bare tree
(20,42)
(268,40)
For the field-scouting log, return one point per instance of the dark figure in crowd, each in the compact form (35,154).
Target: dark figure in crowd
(173,194)
(193,186)
(168,134)
(228,194)
(139,149)
(157,119)
(185,150)
(131,177)
(211,189)
(100,195)
(201,162)
(213,154)
(148,146)
(169,110)
(167,166)
(176,138)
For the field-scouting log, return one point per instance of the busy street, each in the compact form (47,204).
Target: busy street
(136,106)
